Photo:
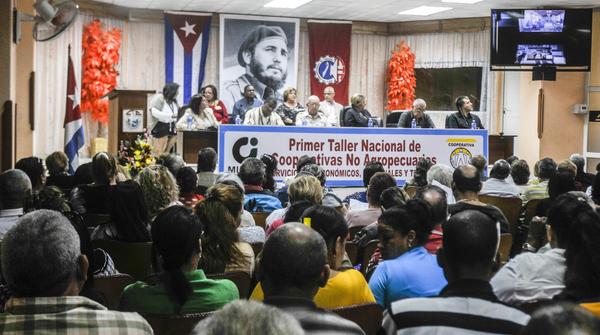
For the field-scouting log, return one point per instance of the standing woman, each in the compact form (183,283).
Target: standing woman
(164,109)
(217,106)
(290,107)
(202,115)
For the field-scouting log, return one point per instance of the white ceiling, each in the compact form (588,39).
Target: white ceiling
(356,10)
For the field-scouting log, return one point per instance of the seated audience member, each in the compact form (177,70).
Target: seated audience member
(292,268)
(329,197)
(187,181)
(422,119)
(248,231)
(356,115)
(466,186)
(242,317)
(378,183)
(282,192)
(219,214)
(563,318)
(511,159)
(45,285)
(206,165)
(289,109)
(197,116)
(519,171)
(270,162)
(159,187)
(129,218)
(480,163)
(35,170)
(463,118)
(419,179)
(583,180)
(252,173)
(561,182)
(595,192)
(312,116)
(172,162)
(302,188)
(546,168)
(247,102)
(218,107)
(361,196)
(467,305)
(264,115)
(182,288)
(498,185)
(441,175)
(408,270)
(344,288)
(83,174)
(57,164)
(93,198)
(540,276)
(436,198)
(15,194)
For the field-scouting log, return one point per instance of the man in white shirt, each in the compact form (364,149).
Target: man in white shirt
(312,116)
(263,115)
(498,185)
(15,188)
(330,108)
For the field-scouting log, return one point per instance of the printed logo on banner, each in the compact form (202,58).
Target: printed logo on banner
(329,70)
(237,149)
(460,156)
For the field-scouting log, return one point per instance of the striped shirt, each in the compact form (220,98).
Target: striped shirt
(67,315)
(464,307)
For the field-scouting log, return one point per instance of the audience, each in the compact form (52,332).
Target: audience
(302,160)
(269,183)
(93,198)
(45,278)
(172,162)
(206,165)
(467,304)
(159,187)
(15,197)
(361,196)
(420,177)
(408,270)
(242,317)
(441,175)
(583,180)
(35,170)
(220,214)
(293,267)
(303,188)
(187,181)
(480,163)
(561,182)
(519,171)
(252,174)
(498,185)
(436,198)
(561,319)
(57,164)
(545,168)
(329,197)
(595,191)
(181,287)
(378,183)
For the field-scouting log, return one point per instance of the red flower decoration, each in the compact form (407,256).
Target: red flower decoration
(401,78)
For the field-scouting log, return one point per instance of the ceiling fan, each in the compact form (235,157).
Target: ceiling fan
(50,21)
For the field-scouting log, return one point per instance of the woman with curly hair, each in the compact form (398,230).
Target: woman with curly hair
(220,214)
(290,107)
(159,187)
(218,107)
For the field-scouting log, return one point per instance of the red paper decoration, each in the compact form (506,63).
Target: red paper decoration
(100,56)
(401,78)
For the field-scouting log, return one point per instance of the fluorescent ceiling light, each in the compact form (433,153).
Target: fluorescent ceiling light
(286,3)
(463,1)
(424,10)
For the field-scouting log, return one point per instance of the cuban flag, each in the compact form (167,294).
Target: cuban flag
(186,45)
(73,123)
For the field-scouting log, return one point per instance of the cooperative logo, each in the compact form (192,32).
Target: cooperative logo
(460,156)
(329,70)
(237,148)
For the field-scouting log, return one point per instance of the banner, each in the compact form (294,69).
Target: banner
(186,46)
(329,51)
(344,152)
(74,139)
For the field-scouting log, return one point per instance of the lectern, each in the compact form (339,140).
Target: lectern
(127,116)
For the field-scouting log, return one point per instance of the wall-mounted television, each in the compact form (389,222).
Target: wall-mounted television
(525,38)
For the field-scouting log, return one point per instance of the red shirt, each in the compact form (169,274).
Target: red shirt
(220,111)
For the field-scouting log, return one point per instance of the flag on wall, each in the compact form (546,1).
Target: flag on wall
(329,51)
(73,123)
(186,45)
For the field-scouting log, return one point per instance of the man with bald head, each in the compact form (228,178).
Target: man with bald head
(292,268)
(466,185)
(422,120)
(15,189)
(330,108)
(312,116)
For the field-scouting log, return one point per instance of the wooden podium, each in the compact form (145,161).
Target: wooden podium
(127,116)
(500,147)
(196,140)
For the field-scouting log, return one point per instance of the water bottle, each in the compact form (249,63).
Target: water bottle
(473,124)
(413,123)
(190,121)
(370,123)
(238,120)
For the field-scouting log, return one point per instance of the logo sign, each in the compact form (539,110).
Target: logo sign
(461,154)
(330,70)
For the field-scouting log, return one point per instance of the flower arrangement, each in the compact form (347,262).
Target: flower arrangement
(401,78)
(137,155)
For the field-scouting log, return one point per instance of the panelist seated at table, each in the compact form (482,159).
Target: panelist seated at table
(197,116)
(356,115)
(312,116)
(263,115)
(421,119)
(463,119)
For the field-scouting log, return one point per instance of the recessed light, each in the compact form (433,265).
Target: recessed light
(463,1)
(424,10)
(286,3)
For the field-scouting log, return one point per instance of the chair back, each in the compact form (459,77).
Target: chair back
(352,252)
(510,207)
(260,219)
(506,241)
(391,120)
(239,278)
(132,258)
(163,324)
(368,316)
(530,209)
(95,220)
(368,251)
(111,287)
